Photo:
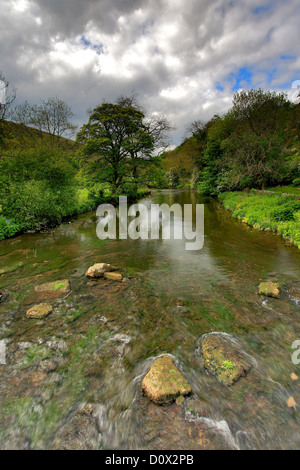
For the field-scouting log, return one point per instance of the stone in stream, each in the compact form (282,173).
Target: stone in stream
(39,311)
(59,287)
(164,383)
(98,270)
(113,276)
(269,289)
(223,358)
(295,293)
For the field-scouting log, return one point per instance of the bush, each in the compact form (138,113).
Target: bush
(37,189)
(286,211)
(7,229)
(296,182)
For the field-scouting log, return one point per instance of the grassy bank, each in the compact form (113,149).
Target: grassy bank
(269,212)
(36,214)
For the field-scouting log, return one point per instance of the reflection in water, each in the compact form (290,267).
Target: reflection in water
(84,390)
(148,221)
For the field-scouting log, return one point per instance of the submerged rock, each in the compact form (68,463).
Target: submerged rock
(13,267)
(39,311)
(61,287)
(113,276)
(164,383)
(295,293)
(223,359)
(98,270)
(269,289)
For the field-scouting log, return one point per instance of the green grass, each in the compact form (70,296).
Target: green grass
(286,190)
(269,212)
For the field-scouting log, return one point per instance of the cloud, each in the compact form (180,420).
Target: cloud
(183,59)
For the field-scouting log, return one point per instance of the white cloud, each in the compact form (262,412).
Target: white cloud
(184,59)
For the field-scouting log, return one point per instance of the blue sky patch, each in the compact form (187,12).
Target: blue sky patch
(242,77)
(261,9)
(288,57)
(96,47)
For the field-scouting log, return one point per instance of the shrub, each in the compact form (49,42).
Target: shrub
(37,188)
(296,182)
(286,211)
(7,229)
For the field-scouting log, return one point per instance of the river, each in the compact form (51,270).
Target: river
(73,379)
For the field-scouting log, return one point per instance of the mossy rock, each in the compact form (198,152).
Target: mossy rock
(60,287)
(39,311)
(269,289)
(164,382)
(223,360)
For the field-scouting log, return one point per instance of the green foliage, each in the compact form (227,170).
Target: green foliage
(7,229)
(286,211)
(118,140)
(247,146)
(37,188)
(155,175)
(269,212)
(296,182)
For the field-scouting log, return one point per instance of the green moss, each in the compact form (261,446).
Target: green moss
(59,286)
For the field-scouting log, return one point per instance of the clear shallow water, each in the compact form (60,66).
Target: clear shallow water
(83,391)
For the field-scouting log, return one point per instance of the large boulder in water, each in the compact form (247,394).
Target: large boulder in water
(164,382)
(98,270)
(269,289)
(223,358)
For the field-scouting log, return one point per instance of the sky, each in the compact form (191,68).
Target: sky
(184,59)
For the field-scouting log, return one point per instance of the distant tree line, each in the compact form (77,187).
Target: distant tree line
(254,145)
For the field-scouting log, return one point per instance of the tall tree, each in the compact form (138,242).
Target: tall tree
(116,136)
(257,143)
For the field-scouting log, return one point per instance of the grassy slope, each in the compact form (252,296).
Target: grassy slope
(19,137)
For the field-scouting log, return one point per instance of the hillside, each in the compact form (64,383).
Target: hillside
(183,158)
(20,137)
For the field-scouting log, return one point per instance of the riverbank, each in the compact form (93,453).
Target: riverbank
(266,211)
(10,228)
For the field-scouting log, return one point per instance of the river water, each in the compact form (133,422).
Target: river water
(73,379)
